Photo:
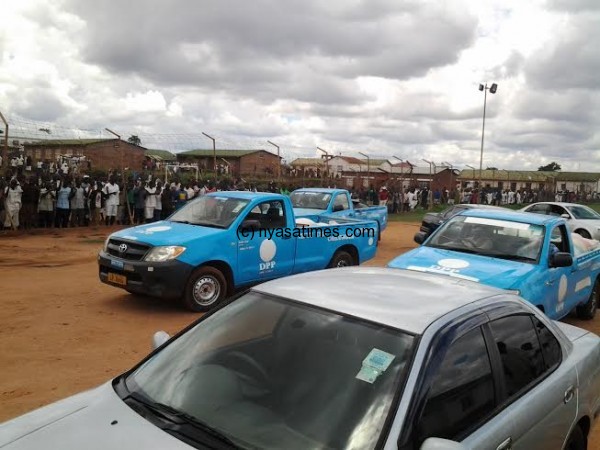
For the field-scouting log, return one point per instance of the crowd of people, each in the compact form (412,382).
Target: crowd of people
(65,200)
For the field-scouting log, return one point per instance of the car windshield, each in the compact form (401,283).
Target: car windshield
(490,237)
(265,372)
(584,213)
(311,200)
(211,211)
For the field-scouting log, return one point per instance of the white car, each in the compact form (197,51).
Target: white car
(344,358)
(581,219)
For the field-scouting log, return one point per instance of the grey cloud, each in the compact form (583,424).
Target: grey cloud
(39,104)
(266,40)
(571,60)
(575,5)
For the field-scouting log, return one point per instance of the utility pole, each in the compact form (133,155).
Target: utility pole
(5,148)
(368,167)
(327,156)
(214,153)
(278,161)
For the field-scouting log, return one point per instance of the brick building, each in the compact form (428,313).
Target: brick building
(234,162)
(92,154)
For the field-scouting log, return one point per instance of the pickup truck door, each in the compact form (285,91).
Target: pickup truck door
(268,251)
(559,286)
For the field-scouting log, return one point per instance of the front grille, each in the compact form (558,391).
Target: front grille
(134,252)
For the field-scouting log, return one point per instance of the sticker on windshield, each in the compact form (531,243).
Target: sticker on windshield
(376,363)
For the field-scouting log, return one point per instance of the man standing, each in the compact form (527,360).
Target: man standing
(12,204)
(111,192)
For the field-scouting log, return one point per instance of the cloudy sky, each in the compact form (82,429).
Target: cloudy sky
(385,77)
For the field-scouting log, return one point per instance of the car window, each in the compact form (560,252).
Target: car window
(556,210)
(462,392)
(520,352)
(538,209)
(341,200)
(268,215)
(559,240)
(550,346)
(584,212)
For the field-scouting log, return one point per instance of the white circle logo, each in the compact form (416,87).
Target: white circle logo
(267,250)
(370,241)
(453,263)
(562,288)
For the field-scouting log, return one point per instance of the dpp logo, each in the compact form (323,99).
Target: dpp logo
(267,253)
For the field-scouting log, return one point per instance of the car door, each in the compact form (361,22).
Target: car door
(559,288)
(267,251)
(539,382)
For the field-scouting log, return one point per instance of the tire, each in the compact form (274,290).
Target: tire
(587,311)
(583,233)
(342,258)
(576,440)
(205,289)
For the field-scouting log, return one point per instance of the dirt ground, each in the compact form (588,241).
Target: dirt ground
(62,331)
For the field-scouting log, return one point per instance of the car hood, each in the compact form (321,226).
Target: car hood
(496,272)
(96,419)
(166,233)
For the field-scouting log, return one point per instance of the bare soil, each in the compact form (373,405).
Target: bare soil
(62,331)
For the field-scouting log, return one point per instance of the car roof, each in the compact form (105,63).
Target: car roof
(243,194)
(399,298)
(508,214)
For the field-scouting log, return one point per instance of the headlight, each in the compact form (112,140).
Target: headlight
(166,253)
(514,291)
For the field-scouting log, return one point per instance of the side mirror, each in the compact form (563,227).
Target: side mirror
(561,259)
(159,338)
(420,237)
(337,208)
(565,216)
(250,224)
(441,444)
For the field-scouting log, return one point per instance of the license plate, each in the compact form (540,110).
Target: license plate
(117,279)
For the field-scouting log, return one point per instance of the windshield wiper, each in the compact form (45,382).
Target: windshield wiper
(199,224)
(179,418)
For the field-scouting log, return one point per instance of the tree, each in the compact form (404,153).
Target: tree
(135,140)
(552,167)
(491,168)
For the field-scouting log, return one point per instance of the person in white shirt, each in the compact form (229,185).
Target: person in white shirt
(12,204)
(158,196)
(150,201)
(111,193)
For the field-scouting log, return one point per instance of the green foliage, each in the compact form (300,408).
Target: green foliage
(552,167)
(135,140)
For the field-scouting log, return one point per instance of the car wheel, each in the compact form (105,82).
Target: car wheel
(342,259)
(583,233)
(205,289)
(587,311)
(577,440)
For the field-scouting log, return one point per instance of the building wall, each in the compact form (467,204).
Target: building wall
(112,154)
(258,163)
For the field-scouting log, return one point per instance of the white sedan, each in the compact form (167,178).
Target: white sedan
(581,219)
(344,358)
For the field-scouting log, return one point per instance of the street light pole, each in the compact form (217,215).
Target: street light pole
(278,161)
(326,162)
(368,167)
(492,90)
(214,153)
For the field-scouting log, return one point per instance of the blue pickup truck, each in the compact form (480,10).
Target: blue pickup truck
(225,240)
(536,256)
(335,202)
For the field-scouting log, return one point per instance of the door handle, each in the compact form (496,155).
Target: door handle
(506,445)
(569,394)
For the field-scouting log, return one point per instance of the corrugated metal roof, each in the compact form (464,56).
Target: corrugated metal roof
(163,154)
(307,162)
(222,153)
(71,142)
